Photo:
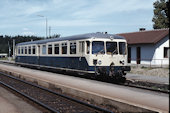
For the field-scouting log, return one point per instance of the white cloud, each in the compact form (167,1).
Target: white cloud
(105,7)
(33,10)
(78,22)
(27,31)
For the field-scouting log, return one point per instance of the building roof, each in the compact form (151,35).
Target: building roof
(75,37)
(145,37)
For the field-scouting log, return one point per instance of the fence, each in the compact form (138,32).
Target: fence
(149,62)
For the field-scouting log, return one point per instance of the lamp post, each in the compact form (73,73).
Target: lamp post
(46,20)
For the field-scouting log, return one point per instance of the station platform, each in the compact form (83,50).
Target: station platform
(129,76)
(99,92)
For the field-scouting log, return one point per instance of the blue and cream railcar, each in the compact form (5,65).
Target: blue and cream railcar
(94,53)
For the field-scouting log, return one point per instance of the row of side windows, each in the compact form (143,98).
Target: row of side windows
(27,50)
(55,48)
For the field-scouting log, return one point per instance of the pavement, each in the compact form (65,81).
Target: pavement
(9,103)
(94,90)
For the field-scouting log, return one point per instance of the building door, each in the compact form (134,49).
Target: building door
(138,55)
(129,54)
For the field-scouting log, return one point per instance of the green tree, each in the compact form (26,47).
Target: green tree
(161,16)
(5,40)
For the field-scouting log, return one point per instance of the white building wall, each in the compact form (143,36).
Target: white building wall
(159,52)
(151,54)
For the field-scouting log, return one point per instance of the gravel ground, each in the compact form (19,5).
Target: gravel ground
(161,72)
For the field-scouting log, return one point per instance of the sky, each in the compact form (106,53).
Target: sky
(71,17)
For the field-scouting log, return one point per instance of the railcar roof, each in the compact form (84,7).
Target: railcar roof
(74,37)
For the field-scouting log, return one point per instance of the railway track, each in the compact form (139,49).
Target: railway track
(50,100)
(162,88)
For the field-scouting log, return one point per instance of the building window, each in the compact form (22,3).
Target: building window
(25,50)
(64,48)
(44,49)
(29,50)
(166,52)
(33,50)
(56,49)
(73,48)
(50,49)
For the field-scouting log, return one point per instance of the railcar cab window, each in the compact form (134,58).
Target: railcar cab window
(98,47)
(73,48)
(88,47)
(50,49)
(44,49)
(33,50)
(122,48)
(29,50)
(25,50)
(56,49)
(111,48)
(64,48)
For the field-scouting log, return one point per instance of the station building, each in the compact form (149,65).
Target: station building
(148,47)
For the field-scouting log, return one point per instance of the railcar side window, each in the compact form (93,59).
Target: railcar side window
(122,48)
(50,49)
(98,47)
(73,48)
(56,49)
(81,47)
(33,50)
(64,48)
(22,50)
(25,50)
(29,50)
(18,50)
(44,49)
(111,48)
(88,47)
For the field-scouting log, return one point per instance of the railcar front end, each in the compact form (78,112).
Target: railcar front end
(107,57)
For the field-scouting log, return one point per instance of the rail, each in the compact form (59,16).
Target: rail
(52,101)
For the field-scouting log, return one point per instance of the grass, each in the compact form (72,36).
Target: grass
(4,58)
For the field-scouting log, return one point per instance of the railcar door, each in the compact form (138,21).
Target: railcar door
(81,58)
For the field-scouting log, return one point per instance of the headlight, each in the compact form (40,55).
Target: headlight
(99,62)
